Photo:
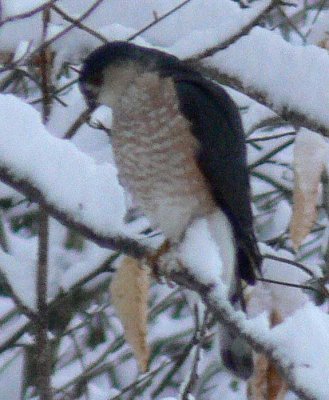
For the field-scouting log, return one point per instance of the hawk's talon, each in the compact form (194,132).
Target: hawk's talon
(164,259)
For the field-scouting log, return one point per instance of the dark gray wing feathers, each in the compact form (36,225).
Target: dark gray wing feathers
(216,123)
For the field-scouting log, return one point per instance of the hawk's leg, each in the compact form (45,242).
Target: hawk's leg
(164,259)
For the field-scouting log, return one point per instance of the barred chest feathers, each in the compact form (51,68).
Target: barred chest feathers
(155,154)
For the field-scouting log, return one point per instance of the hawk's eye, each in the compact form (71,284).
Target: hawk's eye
(95,80)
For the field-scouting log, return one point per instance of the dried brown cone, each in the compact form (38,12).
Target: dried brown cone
(129,289)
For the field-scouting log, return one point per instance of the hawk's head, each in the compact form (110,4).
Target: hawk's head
(111,68)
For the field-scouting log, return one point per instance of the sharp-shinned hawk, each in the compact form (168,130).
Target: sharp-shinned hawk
(180,150)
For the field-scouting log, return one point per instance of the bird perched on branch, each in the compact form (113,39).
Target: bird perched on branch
(180,149)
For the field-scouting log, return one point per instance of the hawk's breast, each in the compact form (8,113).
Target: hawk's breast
(155,153)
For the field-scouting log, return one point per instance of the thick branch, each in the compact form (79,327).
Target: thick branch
(221,310)
(244,30)
(290,115)
(225,313)
(126,245)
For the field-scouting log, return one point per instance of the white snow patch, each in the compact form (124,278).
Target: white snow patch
(228,24)
(199,253)
(302,341)
(21,276)
(299,84)
(68,179)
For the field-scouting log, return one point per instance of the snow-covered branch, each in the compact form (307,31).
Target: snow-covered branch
(44,168)
(279,75)
(242,30)
(119,242)
(82,192)
(298,369)
(26,175)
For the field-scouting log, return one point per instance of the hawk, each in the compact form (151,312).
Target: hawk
(180,150)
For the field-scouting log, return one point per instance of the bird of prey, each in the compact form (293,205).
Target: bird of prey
(180,150)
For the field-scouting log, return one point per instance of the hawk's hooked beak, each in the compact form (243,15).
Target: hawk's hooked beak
(90,96)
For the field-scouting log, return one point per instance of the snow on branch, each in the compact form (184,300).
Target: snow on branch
(296,356)
(251,17)
(55,174)
(67,183)
(232,23)
(291,80)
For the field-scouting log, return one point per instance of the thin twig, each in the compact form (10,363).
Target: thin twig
(27,14)
(265,138)
(80,358)
(82,118)
(200,334)
(289,284)
(270,154)
(244,30)
(42,343)
(57,91)
(85,15)
(79,24)
(291,24)
(3,237)
(291,262)
(159,19)
(42,346)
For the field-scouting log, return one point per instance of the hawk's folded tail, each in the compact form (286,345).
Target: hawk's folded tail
(249,261)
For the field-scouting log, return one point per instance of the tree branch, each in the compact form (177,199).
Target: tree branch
(242,32)
(294,117)
(222,311)
(125,245)
(79,24)
(42,346)
(27,14)
(156,21)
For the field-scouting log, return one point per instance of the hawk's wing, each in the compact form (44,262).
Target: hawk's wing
(216,123)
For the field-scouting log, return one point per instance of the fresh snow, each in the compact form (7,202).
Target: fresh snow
(300,84)
(69,179)
(297,347)
(225,28)
(13,269)
(78,177)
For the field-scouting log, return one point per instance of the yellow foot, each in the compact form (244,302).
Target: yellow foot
(153,260)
